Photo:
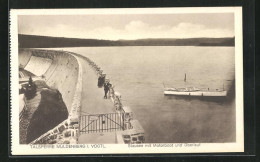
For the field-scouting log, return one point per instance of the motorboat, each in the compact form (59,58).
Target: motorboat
(193,91)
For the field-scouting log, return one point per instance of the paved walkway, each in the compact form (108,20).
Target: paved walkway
(98,138)
(93,102)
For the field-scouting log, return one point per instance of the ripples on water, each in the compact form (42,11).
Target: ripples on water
(139,73)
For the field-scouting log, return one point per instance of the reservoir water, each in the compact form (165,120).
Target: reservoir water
(139,72)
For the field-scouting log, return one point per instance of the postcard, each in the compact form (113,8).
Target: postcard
(126,81)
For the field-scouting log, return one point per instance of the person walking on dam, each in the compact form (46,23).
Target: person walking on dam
(106,88)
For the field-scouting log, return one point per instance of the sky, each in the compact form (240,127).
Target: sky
(129,26)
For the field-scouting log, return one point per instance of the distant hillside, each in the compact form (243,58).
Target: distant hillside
(33,41)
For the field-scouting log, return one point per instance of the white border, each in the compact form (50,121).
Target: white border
(238,146)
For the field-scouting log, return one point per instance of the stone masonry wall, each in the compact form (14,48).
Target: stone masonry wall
(67,131)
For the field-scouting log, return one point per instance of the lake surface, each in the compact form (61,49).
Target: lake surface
(138,73)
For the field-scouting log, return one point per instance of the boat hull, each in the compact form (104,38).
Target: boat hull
(197,93)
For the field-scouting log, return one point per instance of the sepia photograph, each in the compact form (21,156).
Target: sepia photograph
(164,80)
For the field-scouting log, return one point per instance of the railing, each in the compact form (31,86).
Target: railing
(101,123)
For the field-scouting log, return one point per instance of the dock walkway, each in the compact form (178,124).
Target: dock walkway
(93,102)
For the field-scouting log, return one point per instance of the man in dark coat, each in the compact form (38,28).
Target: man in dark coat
(101,80)
(106,88)
(30,90)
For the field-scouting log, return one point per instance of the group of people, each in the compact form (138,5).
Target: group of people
(102,81)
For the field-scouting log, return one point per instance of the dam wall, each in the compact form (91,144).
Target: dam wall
(65,74)
(67,131)
(59,70)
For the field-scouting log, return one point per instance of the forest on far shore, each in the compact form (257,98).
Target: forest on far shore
(34,41)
